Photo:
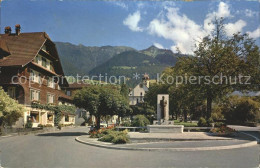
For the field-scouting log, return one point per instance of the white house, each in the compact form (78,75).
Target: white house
(137,94)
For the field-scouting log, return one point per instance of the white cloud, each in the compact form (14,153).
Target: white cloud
(178,28)
(185,33)
(121,4)
(132,21)
(250,13)
(158,45)
(236,27)
(255,34)
(222,12)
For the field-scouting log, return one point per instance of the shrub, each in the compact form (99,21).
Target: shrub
(116,137)
(219,124)
(140,121)
(210,122)
(202,122)
(108,138)
(121,139)
(223,130)
(217,113)
(126,124)
(240,110)
(29,124)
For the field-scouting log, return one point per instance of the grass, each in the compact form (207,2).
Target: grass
(185,124)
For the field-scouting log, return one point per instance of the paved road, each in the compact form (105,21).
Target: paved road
(61,150)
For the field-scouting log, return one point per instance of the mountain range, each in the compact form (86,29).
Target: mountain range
(114,60)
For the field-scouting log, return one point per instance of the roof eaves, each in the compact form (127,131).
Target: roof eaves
(37,52)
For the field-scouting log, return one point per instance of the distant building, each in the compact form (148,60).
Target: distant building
(137,94)
(82,114)
(70,90)
(31,72)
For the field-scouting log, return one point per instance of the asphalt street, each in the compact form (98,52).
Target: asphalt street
(61,150)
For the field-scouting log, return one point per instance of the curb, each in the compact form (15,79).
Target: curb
(257,139)
(170,149)
(33,133)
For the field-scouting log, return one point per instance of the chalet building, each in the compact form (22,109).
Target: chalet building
(137,94)
(31,71)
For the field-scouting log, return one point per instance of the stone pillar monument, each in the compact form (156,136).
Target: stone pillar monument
(162,107)
(163,124)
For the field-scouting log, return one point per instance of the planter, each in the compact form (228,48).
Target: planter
(233,134)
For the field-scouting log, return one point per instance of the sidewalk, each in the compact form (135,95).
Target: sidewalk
(176,136)
(244,128)
(189,141)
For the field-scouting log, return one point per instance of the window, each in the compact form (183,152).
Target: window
(44,62)
(35,95)
(34,117)
(67,118)
(44,48)
(11,92)
(50,98)
(35,76)
(51,66)
(38,59)
(48,66)
(50,83)
(68,93)
(50,118)
(32,75)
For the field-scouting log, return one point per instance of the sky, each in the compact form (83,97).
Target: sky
(138,24)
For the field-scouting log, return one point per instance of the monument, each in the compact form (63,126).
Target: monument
(163,124)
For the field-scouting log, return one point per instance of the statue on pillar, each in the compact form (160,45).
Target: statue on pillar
(163,105)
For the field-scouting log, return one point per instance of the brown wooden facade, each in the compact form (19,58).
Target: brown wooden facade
(17,74)
(31,71)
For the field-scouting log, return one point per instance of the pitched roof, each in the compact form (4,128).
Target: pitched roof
(22,48)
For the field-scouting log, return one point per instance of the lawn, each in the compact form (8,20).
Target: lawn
(185,124)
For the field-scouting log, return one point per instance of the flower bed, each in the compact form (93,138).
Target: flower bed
(110,135)
(223,131)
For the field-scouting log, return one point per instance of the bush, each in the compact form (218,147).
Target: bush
(240,110)
(108,138)
(29,124)
(217,113)
(126,124)
(140,121)
(223,130)
(121,139)
(219,124)
(116,137)
(202,122)
(210,122)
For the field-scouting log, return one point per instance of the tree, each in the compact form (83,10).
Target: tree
(101,101)
(218,56)
(124,90)
(240,110)
(140,121)
(10,110)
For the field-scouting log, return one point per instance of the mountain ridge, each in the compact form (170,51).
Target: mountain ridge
(114,60)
